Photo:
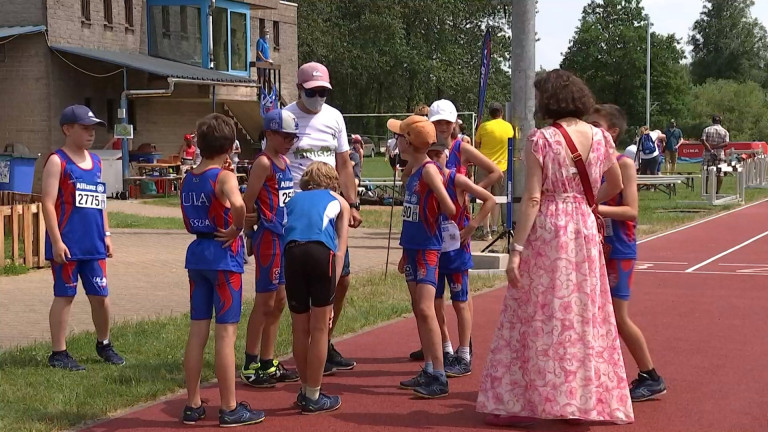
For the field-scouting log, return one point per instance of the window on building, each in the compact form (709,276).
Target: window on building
(129,13)
(184,20)
(276,34)
(174,36)
(108,11)
(221,38)
(262,26)
(238,29)
(85,9)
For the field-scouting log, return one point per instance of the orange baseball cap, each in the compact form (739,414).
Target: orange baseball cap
(419,130)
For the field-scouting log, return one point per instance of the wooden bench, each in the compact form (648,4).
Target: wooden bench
(665,184)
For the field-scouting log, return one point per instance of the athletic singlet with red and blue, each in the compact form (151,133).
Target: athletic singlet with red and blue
(421,214)
(454,158)
(620,235)
(460,259)
(203,215)
(274,194)
(80,205)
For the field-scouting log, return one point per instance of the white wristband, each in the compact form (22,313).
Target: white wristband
(107,234)
(517,248)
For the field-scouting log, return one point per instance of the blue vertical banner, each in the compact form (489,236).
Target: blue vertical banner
(485,69)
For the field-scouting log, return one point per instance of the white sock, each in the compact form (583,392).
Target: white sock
(428,367)
(313,393)
(105,341)
(447,347)
(463,352)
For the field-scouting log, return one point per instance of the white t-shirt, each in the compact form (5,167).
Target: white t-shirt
(631,152)
(321,136)
(654,136)
(235,155)
(392,149)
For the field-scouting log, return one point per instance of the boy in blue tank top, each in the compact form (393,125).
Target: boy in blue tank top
(620,213)
(456,259)
(315,247)
(214,212)
(77,238)
(424,202)
(270,186)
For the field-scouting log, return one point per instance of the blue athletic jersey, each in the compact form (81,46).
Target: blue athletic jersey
(460,259)
(204,213)
(620,234)
(274,195)
(454,158)
(312,217)
(421,214)
(80,205)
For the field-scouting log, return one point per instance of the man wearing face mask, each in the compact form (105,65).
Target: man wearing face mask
(323,137)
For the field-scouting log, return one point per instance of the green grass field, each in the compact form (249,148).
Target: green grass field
(34,397)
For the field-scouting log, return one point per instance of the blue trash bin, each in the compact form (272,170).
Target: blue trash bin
(17,173)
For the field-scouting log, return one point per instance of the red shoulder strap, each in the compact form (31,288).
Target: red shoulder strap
(586,184)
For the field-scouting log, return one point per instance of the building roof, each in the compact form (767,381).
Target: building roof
(20,30)
(156,65)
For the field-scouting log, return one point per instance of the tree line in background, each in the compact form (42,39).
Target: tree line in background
(390,55)
(727,73)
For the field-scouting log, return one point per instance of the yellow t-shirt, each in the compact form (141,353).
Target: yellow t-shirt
(492,136)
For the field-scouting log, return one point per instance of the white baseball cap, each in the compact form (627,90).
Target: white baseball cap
(443,109)
(281,121)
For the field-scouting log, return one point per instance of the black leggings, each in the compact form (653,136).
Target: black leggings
(310,275)
(649,166)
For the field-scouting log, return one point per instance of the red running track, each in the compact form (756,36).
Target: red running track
(706,329)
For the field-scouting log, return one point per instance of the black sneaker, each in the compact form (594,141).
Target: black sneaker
(108,354)
(414,382)
(644,388)
(62,360)
(255,377)
(417,355)
(433,387)
(242,415)
(328,369)
(449,359)
(280,374)
(336,360)
(192,415)
(300,398)
(470,347)
(324,403)
(458,367)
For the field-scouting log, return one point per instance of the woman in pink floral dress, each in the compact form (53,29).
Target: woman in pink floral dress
(556,352)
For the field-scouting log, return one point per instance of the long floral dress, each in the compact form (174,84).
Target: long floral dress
(556,351)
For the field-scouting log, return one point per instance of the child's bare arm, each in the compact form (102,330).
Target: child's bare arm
(342,232)
(258,175)
(228,188)
(435,182)
(464,184)
(51,174)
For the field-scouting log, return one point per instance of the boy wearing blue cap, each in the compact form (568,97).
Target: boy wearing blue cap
(77,239)
(270,186)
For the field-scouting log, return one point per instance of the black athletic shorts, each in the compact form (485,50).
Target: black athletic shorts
(310,275)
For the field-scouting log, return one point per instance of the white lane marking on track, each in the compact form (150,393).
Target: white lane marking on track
(700,221)
(720,255)
(739,273)
(663,262)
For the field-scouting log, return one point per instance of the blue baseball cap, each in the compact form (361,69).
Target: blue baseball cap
(79,114)
(281,121)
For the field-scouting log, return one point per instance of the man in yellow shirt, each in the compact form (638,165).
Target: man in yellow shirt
(491,139)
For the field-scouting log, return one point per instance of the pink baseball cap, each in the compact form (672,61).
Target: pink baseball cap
(313,75)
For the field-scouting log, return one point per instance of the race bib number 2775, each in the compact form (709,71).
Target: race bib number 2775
(91,196)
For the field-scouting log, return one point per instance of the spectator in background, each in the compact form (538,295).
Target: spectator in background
(357,168)
(674,139)
(715,138)
(491,138)
(262,46)
(461,132)
(421,110)
(188,150)
(357,147)
(235,155)
(648,150)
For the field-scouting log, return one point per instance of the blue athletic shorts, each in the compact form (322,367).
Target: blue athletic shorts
(421,266)
(92,272)
(458,284)
(620,275)
(268,254)
(215,289)
(345,267)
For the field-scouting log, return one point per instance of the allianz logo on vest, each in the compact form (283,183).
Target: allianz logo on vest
(286,184)
(89,187)
(194,199)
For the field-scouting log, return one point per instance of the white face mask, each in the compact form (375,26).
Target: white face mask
(314,104)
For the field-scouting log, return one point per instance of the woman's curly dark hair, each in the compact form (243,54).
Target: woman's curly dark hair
(562,94)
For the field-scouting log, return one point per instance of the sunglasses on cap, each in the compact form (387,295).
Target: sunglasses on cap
(322,92)
(288,136)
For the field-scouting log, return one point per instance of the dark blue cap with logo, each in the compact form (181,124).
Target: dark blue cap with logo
(79,114)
